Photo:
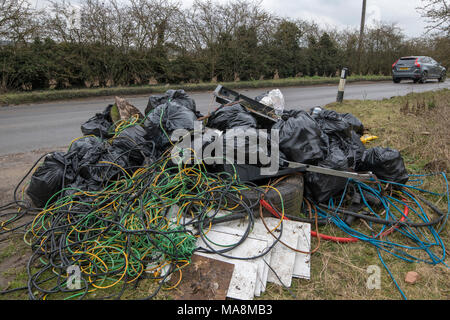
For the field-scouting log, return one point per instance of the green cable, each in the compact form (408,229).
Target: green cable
(173,187)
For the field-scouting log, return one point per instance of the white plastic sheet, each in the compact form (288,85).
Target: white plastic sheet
(274,99)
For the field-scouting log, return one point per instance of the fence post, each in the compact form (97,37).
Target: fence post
(340,94)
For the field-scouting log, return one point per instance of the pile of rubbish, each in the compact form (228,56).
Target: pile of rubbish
(119,208)
(110,148)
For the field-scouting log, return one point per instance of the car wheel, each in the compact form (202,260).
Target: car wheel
(442,77)
(416,80)
(424,77)
(396,80)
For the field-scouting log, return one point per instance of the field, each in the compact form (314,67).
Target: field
(416,124)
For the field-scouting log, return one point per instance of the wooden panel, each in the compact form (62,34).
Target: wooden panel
(203,279)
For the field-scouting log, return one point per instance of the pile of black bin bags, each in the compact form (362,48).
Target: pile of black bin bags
(101,155)
(343,150)
(324,138)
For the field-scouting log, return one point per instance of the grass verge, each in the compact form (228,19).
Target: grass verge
(15,98)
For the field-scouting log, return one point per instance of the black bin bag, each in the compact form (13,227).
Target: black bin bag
(83,152)
(166,118)
(322,187)
(178,97)
(47,179)
(386,163)
(82,145)
(233,116)
(354,122)
(358,149)
(351,146)
(332,123)
(134,144)
(101,166)
(301,139)
(99,124)
(342,130)
(248,146)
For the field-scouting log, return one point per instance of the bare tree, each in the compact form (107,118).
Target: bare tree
(153,22)
(63,22)
(208,22)
(437,13)
(383,45)
(97,22)
(18,21)
(106,22)
(122,24)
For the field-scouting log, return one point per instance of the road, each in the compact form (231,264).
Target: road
(46,125)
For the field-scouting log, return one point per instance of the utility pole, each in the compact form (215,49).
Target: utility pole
(361,35)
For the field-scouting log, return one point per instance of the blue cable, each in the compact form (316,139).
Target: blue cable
(391,275)
(391,207)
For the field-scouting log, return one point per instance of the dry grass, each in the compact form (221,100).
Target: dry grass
(418,126)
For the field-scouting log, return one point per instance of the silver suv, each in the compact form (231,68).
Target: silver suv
(417,68)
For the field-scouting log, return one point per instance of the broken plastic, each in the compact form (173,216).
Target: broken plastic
(367,138)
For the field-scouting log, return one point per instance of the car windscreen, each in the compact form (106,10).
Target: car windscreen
(407,61)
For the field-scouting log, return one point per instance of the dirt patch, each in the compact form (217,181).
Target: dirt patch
(11,266)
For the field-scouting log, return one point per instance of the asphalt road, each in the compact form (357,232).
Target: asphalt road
(46,125)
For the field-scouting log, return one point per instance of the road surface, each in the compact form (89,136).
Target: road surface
(46,125)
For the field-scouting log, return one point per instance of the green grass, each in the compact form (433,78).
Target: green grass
(7,252)
(14,98)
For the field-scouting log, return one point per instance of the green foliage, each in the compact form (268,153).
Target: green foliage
(285,49)
(327,54)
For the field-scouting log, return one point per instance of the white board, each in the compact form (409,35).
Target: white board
(285,262)
(245,283)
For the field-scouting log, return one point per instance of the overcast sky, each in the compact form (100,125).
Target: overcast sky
(342,13)
(347,13)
